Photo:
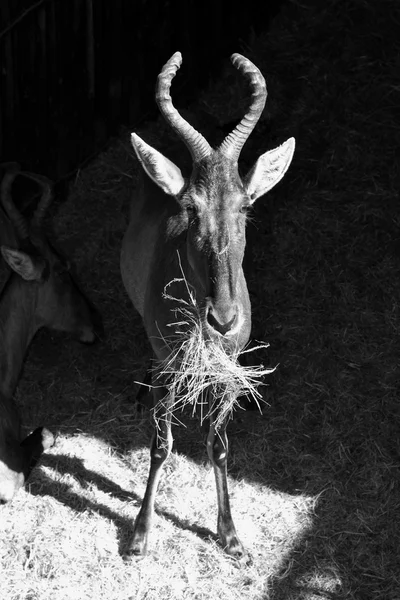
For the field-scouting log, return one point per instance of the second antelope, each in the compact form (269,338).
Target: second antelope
(181,264)
(39,292)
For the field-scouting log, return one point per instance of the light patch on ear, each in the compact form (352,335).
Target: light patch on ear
(158,167)
(269,170)
(24,265)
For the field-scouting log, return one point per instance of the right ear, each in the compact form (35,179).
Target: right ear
(158,167)
(30,269)
(269,169)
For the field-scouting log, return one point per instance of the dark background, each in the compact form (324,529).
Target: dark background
(73,72)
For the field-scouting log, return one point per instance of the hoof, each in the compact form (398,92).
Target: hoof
(47,439)
(137,549)
(33,447)
(39,440)
(241,557)
(235,550)
(134,554)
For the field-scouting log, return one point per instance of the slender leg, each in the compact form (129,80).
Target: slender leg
(217,448)
(34,445)
(144,395)
(160,450)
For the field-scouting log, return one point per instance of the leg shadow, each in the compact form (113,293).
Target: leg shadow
(62,492)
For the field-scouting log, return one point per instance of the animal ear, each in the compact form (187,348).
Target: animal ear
(29,268)
(158,167)
(269,169)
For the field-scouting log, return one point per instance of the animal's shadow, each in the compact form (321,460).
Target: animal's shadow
(43,485)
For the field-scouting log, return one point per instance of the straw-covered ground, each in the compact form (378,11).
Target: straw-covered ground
(314,480)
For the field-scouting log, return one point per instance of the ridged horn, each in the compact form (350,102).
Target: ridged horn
(197,145)
(16,218)
(234,142)
(45,200)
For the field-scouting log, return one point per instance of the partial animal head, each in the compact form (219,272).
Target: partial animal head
(214,201)
(60,305)
(17,459)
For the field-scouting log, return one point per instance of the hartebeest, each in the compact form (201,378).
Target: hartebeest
(39,292)
(181,265)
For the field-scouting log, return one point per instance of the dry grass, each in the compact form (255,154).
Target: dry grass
(315,480)
(201,373)
(79,516)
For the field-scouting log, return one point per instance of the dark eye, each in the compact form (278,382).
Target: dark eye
(62,271)
(191,213)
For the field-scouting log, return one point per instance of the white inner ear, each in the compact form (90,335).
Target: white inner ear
(269,170)
(20,262)
(158,167)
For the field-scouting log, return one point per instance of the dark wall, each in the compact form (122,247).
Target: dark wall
(73,72)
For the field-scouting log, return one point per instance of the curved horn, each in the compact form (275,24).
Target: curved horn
(233,144)
(197,145)
(16,218)
(45,200)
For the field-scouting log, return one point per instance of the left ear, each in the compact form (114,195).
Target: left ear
(28,267)
(158,167)
(269,169)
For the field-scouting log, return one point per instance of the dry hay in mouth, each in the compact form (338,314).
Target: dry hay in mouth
(199,371)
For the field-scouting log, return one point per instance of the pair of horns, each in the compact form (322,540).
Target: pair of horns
(198,146)
(21,225)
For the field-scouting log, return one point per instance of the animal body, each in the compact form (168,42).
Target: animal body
(183,249)
(39,292)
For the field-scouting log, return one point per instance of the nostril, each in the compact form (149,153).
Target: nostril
(218,324)
(87,336)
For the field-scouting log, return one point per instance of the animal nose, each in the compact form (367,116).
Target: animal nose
(222,322)
(87,335)
(93,330)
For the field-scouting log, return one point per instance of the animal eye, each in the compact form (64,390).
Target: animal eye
(62,271)
(190,211)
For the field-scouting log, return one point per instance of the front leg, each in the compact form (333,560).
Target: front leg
(160,450)
(217,448)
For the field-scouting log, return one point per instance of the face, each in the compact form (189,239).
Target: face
(216,207)
(63,306)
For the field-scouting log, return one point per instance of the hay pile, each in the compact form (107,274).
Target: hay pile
(200,372)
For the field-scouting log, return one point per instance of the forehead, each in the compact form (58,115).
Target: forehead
(216,186)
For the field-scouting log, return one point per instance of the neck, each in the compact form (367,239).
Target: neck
(18,325)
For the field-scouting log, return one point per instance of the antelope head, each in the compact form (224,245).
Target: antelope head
(213,202)
(60,305)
